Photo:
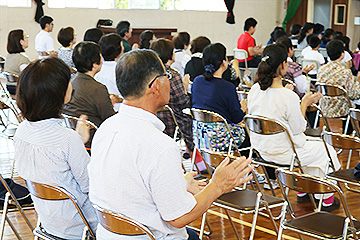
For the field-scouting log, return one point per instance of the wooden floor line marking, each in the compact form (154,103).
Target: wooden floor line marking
(272,232)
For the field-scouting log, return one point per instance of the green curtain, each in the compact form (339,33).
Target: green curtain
(292,8)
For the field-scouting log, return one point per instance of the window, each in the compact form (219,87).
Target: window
(17,3)
(207,5)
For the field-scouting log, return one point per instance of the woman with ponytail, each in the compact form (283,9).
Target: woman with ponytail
(307,29)
(211,92)
(269,98)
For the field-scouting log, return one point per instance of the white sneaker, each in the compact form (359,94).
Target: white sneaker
(274,184)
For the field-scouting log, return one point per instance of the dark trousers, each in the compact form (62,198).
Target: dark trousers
(192,234)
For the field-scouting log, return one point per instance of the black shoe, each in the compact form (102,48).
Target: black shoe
(334,206)
(186,155)
(306,199)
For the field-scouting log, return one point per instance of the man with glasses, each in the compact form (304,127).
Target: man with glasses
(143,164)
(44,43)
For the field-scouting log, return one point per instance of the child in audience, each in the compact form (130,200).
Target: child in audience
(47,152)
(307,29)
(181,43)
(269,98)
(67,39)
(111,50)
(313,54)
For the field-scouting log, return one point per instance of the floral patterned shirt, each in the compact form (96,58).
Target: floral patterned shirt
(336,74)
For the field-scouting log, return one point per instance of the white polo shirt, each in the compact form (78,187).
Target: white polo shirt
(44,43)
(314,55)
(135,170)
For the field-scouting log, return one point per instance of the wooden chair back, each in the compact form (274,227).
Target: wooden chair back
(119,224)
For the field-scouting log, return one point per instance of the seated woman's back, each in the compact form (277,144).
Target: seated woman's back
(47,152)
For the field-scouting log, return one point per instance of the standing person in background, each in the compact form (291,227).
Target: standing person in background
(44,44)
(66,38)
(146,38)
(247,42)
(181,43)
(125,31)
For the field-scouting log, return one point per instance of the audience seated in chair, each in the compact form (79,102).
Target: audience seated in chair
(211,92)
(67,39)
(181,43)
(306,30)
(111,50)
(47,152)
(335,73)
(179,98)
(270,99)
(145,163)
(125,31)
(247,42)
(93,35)
(89,97)
(313,54)
(146,38)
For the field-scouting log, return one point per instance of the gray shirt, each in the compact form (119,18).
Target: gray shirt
(47,152)
(14,61)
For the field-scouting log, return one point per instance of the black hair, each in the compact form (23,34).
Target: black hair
(334,49)
(122,27)
(328,32)
(213,56)
(198,44)
(310,36)
(110,45)
(164,49)
(314,42)
(279,33)
(250,22)
(181,40)
(41,89)
(345,40)
(85,54)
(318,28)
(134,71)
(273,55)
(45,20)
(337,33)
(66,36)
(295,29)
(13,43)
(286,42)
(93,35)
(304,30)
(145,38)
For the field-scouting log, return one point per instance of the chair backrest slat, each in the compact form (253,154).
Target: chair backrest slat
(11,77)
(342,141)
(355,118)
(206,116)
(70,122)
(330,90)
(261,125)
(120,224)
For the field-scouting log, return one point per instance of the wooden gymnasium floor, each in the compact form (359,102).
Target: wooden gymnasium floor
(217,217)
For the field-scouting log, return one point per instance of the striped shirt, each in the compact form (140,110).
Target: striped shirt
(47,152)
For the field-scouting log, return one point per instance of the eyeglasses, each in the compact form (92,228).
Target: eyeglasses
(168,75)
(27,36)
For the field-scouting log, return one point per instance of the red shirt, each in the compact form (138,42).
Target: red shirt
(244,42)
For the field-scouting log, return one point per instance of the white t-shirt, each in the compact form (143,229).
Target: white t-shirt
(347,57)
(305,50)
(44,43)
(314,55)
(135,170)
(107,77)
(181,59)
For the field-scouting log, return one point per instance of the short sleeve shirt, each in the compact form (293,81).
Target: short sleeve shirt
(314,55)
(244,42)
(44,42)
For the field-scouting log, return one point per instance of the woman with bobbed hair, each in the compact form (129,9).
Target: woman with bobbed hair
(306,30)
(47,152)
(269,98)
(67,39)
(210,92)
(16,60)
(146,38)
(179,99)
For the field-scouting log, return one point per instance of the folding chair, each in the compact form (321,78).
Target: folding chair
(287,81)
(242,95)
(330,90)
(313,131)
(9,133)
(318,224)
(120,224)
(10,196)
(266,126)
(309,62)
(344,142)
(243,201)
(71,122)
(48,192)
(323,52)
(297,55)
(241,54)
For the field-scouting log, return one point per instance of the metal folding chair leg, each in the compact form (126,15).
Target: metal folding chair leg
(232,224)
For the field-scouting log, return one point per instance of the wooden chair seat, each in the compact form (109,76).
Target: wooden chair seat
(318,224)
(313,132)
(345,175)
(244,200)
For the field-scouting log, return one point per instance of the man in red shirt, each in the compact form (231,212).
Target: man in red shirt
(247,42)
